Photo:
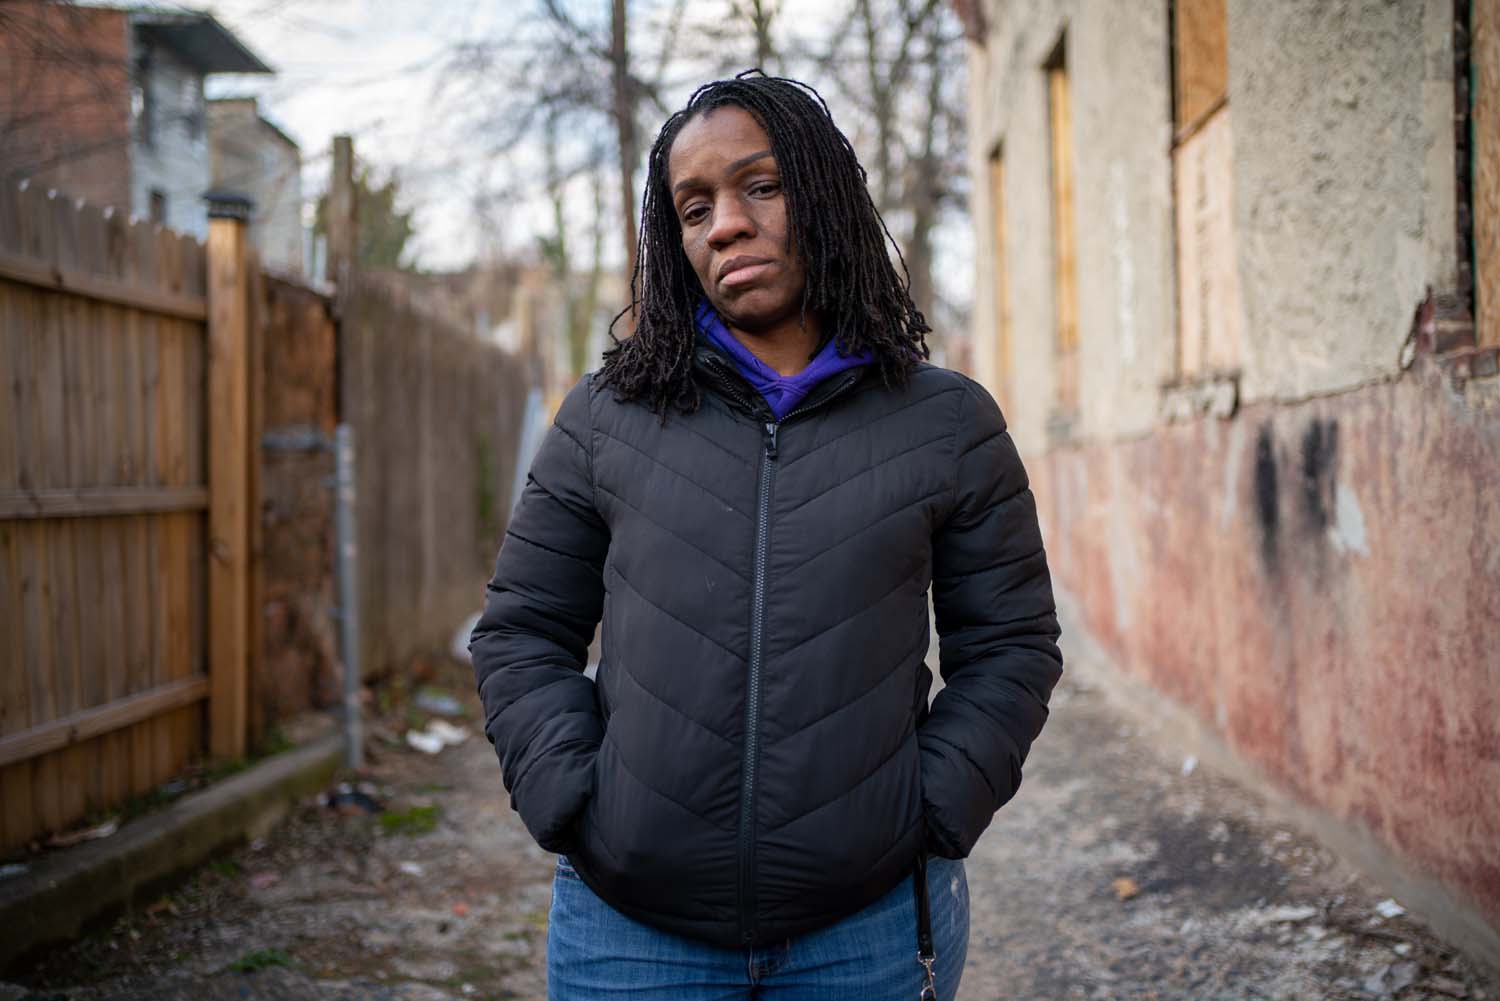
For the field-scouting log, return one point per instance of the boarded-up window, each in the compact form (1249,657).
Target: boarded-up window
(1200,61)
(1209,319)
(1484,53)
(1064,242)
(1000,283)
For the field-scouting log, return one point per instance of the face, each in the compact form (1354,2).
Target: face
(726,189)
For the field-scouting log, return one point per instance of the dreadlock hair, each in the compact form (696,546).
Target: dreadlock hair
(835,227)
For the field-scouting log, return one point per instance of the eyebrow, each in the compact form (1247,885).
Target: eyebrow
(742,162)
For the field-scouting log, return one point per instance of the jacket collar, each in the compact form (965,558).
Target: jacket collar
(718,371)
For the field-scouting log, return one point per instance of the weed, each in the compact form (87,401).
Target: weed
(417,820)
(261,959)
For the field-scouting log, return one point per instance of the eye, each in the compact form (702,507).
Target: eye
(765,189)
(694,212)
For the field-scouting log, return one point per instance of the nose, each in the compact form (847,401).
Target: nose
(730,223)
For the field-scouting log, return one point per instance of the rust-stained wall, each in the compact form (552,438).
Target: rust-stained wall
(1320,583)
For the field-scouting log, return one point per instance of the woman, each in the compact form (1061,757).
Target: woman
(755,492)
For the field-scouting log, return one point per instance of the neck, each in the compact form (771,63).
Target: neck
(786,347)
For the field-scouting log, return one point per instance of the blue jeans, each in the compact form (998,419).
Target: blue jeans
(594,951)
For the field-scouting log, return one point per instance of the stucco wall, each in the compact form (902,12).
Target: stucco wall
(1342,196)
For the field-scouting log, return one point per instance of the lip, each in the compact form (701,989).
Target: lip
(739,270)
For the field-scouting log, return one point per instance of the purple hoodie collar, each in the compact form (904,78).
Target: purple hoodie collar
(782,392)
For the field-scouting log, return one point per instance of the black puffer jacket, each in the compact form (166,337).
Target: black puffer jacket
(758,758)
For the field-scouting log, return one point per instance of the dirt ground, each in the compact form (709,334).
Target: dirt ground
(1119,872)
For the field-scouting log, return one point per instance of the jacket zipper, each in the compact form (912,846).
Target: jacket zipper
(752,691)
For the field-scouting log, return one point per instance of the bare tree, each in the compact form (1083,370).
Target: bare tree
(747,30)
(624,103)
(578,304)
(901,80)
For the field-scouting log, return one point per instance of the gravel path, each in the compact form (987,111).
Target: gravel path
(1115,874)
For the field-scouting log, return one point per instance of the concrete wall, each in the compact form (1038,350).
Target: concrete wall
(175,162)
(249,155)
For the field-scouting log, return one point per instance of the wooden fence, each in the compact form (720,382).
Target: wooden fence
(166,513)
(124,587)
(437,420)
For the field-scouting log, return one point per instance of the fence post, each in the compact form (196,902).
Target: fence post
(347,560)
(228,474)
(339,218)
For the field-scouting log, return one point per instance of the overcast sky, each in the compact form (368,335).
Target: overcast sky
(371,68)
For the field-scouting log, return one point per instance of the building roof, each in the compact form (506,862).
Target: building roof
(253,106)
(200,40)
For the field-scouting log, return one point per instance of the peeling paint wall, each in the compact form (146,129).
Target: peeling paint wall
(1314,570)
(1322,583)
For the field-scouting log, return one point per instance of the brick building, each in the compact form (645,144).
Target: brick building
(107,104)
(1239,295)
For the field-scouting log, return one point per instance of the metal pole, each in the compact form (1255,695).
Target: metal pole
(346,556)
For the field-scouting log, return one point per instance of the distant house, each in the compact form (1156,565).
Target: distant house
(250,155)
(107,104)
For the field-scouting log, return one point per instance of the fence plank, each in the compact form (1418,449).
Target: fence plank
(76,728)
(75,282)
(17,784)
(14,697)
(10,387)
(228,580)
(97,501)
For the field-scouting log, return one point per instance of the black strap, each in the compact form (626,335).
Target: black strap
(926,955)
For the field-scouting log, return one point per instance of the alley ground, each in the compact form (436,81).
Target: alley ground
(1117,873)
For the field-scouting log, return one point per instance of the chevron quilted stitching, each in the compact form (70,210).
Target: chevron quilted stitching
(620,757)
(778,654)
(847,791)
(683,476)
(680,538)
(899,509)
(693,629)
(884,677)
(863,472)
(870,426)
(618,665)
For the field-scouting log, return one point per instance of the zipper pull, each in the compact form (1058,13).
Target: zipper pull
(771,427)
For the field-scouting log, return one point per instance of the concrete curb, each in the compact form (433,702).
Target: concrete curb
(66,892)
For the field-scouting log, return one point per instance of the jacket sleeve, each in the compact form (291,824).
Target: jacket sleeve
(997,629)
(530,645)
